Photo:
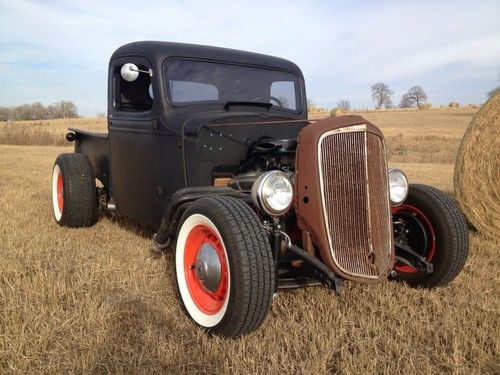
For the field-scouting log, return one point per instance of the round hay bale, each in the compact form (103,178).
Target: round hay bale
(477,169)
(336,112)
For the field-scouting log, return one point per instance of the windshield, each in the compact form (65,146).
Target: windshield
(193,82)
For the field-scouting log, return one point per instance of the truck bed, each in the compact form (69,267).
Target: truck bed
(96,147)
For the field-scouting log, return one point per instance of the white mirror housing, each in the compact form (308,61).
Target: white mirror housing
(129,72)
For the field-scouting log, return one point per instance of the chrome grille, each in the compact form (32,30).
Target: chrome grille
(355,200)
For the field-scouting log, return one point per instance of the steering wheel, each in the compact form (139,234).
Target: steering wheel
(271,99)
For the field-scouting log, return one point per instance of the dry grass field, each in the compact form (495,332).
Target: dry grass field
(46,132)
(96,300)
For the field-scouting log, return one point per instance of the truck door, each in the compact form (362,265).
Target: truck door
(134,147)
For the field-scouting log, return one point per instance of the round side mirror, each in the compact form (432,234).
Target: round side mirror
(129,72)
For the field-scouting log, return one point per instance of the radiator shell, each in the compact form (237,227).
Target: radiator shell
(342,196)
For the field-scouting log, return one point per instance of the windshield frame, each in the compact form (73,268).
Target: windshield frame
(297,80)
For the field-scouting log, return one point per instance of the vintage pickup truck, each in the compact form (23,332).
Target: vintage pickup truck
(212,147)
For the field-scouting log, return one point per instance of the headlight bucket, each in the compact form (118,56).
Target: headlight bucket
(398,186)
(272,192)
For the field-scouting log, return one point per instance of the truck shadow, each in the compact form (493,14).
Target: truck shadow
(141,229)
(143,334)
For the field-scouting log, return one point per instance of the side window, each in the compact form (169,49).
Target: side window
(135,96)
(284,91)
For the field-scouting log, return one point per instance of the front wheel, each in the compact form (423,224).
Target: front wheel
(432,225)
(224,266)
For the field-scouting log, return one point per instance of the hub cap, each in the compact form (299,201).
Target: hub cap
(206,269)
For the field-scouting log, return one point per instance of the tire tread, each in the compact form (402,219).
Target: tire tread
(80,198)
(252,258)
(458,246)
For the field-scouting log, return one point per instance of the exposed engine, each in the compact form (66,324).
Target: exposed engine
(270,154)
(266,154)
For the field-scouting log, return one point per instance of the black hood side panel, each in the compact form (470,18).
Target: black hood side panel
(216,143)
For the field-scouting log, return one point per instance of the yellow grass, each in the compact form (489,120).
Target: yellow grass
(431,136)
(46,132)
(415,136)
(414,122)
(95,300)
(60,126)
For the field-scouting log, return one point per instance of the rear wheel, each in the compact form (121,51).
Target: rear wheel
(431,224)
(224,266)
(74,195)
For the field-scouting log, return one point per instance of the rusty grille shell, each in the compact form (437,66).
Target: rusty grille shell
(342,196)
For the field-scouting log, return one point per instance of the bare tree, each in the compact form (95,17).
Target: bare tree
(21,112)
(344,105)
(405,102)
(52,111)
(415,96)
(65,109)
(382,95)
(37,111)
(5,113)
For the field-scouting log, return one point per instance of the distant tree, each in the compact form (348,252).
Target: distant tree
(65,109)
(415,96)
(101,114)
(405,102)
(5,113)
(493,92)
(37,111)
(344,105)
(52,111)
(382,95)
(21,112)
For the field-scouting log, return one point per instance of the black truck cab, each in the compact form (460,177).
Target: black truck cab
(181,122)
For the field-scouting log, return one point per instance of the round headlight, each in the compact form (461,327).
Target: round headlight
(273,192)
(398,186)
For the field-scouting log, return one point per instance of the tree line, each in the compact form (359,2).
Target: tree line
(382,96)
(37,111)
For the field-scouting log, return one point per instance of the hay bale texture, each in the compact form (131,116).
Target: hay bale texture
(477,170)
(337,112)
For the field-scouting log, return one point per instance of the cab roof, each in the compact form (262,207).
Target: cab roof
(158,52)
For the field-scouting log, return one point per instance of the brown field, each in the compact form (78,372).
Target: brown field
(96,300)
(46,132)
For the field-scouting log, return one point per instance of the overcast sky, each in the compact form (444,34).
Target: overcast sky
(52,50)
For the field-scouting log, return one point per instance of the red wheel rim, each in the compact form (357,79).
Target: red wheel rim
(424,220)
(208,302)
(60,200)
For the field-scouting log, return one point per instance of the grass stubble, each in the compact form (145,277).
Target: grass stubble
(96,300)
